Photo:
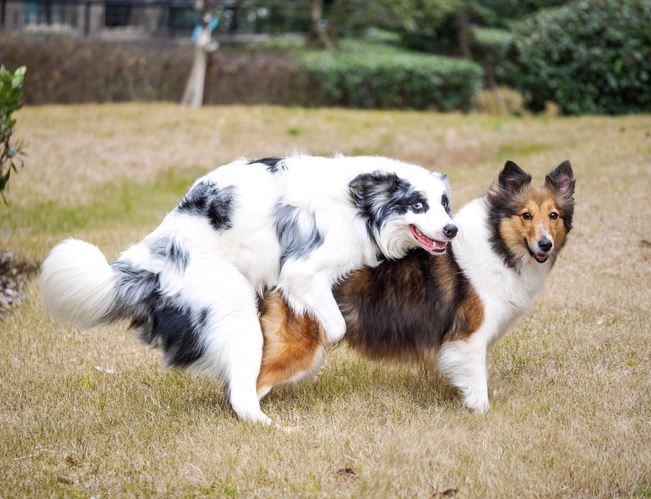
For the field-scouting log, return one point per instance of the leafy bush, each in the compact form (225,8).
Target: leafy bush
(590,56)
(11,85)
(67,70)
(373,76)
(491,45)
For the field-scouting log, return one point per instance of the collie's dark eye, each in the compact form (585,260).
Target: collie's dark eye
(527,216)
(445,201)
(417,206)
(553,215)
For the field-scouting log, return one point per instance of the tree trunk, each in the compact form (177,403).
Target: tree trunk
(319,35)
(193,94)
(495,90)
(463,34)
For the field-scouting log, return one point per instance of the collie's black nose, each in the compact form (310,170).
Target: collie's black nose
(545,244)
(450,230)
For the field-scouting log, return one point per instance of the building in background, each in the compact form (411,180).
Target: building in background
(133,19)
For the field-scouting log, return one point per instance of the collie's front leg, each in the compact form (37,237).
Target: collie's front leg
(312,293)
(463,363)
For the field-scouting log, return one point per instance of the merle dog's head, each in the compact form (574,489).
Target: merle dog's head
(405,211)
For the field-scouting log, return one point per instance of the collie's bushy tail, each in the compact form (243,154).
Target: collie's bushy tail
(78,285)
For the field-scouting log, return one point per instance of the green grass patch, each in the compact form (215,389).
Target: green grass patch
(519,150)
(114,204)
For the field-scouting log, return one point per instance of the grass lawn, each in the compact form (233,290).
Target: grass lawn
(91,413)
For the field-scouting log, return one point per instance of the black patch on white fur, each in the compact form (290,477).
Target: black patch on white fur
(136,289)
(171,250)
(380,195)
(297,232)
(178,331)
(504,201)
(445,202)
(208,200)
(160,321)
(273,164)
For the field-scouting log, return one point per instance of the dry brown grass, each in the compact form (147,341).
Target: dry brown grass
(570,385)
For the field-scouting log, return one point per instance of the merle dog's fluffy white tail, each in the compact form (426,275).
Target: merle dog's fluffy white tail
(78,285)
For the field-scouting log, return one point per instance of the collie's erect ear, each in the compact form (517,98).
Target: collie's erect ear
(513,178)
(561,179)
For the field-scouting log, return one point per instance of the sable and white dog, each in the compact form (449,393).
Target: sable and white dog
(447,310)
(298,224)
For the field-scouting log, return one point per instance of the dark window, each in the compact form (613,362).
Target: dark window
(182,19)
(117,14)
(37,13)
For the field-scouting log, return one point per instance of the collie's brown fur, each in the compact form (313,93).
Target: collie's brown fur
(291,343)
(400,310)
(512,195)
(540,202)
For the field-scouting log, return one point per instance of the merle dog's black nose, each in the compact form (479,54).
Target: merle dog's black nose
(545,244)
(450,230)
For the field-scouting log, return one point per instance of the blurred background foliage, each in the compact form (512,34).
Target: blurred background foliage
(504,56)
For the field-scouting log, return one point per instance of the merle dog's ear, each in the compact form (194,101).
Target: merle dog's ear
(444,178)
(370,186)
(561,180)
(512,178)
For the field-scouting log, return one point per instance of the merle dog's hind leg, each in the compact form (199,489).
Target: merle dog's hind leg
(233,339)
(243,358)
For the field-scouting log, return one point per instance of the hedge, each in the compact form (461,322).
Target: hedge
(73,70)
(589,56)
(369,76)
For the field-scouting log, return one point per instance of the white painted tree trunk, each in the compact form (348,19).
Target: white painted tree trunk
(193,94)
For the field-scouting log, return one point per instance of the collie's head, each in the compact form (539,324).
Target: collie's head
(529,224)
(403,212)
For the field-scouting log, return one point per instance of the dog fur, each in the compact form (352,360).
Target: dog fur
(298,224)
(447,310)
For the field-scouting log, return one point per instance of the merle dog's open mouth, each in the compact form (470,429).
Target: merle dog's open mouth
(428,243)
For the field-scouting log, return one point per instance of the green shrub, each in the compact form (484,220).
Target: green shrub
(491,45)
(11,93)
(370,76)
(590,56)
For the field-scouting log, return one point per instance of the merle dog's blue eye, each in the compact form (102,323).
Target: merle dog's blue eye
(417,206)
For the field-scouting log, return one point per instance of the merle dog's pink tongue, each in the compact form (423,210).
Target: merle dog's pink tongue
(426,242)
